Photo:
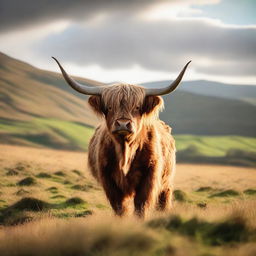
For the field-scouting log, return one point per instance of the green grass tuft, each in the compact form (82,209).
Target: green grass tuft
(77,172)
(230,231)
(84,213)
(53,190)
(250,191)
(16,213)
(179,195)
(225,193)
(233,230)
(30,204)
(12,172)
(21,167)
(43,175)
(67,182)
(29,181)
(75,201)
(58,197)
(60,173)
(204,189)
(82,187)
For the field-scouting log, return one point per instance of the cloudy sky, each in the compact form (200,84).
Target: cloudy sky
(134,40)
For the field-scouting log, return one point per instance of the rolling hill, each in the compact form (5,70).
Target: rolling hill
(210,108)
(245,93)
(37,108)
(28,92)
(190,113)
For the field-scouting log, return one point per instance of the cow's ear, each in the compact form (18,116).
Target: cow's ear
(95,102)
(151,104)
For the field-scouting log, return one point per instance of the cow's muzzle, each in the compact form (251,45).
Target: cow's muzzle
(123,126)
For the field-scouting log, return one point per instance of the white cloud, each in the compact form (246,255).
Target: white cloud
(151,40)
(167,10)
(159,46)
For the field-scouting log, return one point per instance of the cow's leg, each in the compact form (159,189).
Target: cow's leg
(143,198)
(116,198)
(164,200)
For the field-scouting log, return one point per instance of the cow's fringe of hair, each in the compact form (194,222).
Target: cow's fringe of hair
(134,95)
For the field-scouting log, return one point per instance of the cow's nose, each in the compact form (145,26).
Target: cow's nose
(123,124)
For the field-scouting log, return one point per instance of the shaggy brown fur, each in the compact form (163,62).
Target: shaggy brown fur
(139,165)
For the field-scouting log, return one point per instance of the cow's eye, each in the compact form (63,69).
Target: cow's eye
(137,108)
(109,108)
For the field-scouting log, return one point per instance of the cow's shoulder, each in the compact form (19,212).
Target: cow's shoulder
(164,127)
(164,134)
(158,130)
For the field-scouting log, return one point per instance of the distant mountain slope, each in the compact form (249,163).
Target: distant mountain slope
(27,93)
(210,88)
(228,91)
(190,113)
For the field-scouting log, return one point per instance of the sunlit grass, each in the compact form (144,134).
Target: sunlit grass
(211,213)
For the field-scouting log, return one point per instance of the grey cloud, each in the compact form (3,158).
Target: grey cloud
(165,46)
(16,14)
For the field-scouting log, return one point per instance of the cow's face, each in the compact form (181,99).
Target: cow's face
(125,109)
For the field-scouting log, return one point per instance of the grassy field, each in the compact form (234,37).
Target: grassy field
(50,205)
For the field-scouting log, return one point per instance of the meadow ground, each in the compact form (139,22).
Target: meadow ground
(50,205)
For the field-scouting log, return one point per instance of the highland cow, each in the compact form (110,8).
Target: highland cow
(132,152)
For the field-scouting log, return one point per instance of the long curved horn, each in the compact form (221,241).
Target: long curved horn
(169,88)
(85,89)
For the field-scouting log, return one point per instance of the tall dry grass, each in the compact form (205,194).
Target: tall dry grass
(93,236)
(187,230)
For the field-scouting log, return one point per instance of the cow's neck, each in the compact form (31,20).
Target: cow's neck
(126,151)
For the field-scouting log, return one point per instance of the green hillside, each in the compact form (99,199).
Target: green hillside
(45,132)
(27,93)
(190,113)
(215,145)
